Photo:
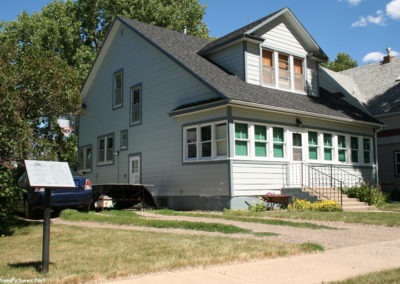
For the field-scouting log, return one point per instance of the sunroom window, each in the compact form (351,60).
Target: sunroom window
(313,145)
(328,147)
(342,148)
(260,140)
(205,142)
(367,150)
(279,142)
(241,139)
(354,149)
(85,158)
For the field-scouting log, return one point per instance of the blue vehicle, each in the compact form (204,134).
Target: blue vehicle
(79,197)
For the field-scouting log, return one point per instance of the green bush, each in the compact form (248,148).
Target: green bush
(9,194)
(320,206)
(257,206)
(370,194)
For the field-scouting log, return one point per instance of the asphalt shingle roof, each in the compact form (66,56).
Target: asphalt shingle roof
(377,86)
(184,49)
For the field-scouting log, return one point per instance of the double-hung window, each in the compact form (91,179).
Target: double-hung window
(278,142)
(105,154)
(367,150)
(354,149)
(117,89)
(205,142)
(221,139)
(312,145)
(283,71)
(342,148)
(260,141)
(328,147)
(241,139)
(136,105)
(85,158)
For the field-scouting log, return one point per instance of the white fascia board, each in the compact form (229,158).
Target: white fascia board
(298,26)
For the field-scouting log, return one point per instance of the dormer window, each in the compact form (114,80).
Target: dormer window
(282,71)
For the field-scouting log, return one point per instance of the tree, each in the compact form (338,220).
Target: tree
(342,62)
(45,58)
(96,16)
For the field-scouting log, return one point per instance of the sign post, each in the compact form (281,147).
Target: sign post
(49,175)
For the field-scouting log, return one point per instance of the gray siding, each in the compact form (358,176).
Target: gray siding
(158,139)
(231,59)
(253,62)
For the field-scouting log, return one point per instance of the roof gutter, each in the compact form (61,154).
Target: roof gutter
(299,112)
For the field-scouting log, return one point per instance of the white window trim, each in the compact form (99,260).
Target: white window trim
(270,143)
(275,56)
(198,142)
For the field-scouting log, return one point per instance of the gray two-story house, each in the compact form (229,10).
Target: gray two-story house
(212,124)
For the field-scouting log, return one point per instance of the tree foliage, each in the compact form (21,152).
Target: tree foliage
(45,58)
(342,62)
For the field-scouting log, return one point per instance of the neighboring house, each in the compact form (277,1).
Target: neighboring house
(212,124)
(377,88)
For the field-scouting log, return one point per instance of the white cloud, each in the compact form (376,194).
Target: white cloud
(379,19)
(393,9)
(352,2)
(377,56)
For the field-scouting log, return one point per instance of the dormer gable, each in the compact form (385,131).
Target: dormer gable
(275,52)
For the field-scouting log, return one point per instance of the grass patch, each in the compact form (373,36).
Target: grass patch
(391,207)
(131,218)
(246,216)
(381,277)
(93,254)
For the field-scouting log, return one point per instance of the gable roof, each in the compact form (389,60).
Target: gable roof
(184,50)
(249,31)
(376,85)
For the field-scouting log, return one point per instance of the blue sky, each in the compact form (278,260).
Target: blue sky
(361,28)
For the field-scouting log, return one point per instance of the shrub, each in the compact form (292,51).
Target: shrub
(257,206)
(370,194)
(320,206)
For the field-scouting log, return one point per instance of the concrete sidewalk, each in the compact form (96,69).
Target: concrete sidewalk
(331,265)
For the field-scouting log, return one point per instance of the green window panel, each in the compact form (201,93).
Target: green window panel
(328,154)
(312,138)
(278,151)
(313,153)
(241,148)
(342,155)
(278,134)
(260,133)
(342,141)
(327,139)
(261,149)
(241,131)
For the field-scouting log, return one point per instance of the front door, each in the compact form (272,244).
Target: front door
(134,169)
(295,170)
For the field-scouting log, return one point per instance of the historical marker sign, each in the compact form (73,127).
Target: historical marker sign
(49,174)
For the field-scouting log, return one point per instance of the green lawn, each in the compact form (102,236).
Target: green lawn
(79,254)
(391,276)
